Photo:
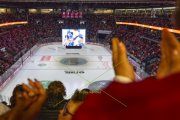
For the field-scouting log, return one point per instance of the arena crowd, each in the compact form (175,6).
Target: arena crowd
(154,98)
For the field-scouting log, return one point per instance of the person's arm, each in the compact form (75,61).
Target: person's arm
(38,95)
(28,103)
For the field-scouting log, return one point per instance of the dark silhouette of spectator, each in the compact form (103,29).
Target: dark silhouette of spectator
(55,101)
(70,108)
(153,98)
(56,92)
(28,102)
(18,89)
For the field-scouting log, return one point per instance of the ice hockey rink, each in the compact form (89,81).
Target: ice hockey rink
(76,68)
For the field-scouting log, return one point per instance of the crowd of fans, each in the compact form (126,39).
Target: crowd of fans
(13,42)
(49,26)
(15,17)
(44,26)
(141,44)
(55,101)
(158,20)
(32,101)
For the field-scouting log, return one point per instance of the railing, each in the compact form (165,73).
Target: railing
(9,74)
(4,78)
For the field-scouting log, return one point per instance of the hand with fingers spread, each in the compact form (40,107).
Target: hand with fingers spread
(170,55)
(35,97)
(121,65)
(28,103)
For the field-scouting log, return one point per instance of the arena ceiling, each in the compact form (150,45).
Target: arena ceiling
(88,3)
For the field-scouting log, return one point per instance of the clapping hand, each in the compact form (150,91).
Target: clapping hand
(121,65)
(28,102)
(170,55)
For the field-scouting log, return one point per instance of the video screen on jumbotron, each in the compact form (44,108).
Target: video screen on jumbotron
(73,37)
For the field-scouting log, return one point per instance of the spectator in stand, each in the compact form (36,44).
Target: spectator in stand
(156,102)
(145,49)
(55,101)
(48,26)
(28,102)
(70,108)
(123,98)
(56,92)
(13,41)
(18,89)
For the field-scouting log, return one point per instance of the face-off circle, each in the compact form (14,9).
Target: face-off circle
(73,61)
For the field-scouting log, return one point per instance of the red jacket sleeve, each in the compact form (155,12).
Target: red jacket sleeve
(148,99)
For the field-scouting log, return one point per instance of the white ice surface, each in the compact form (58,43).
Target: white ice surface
(98,67)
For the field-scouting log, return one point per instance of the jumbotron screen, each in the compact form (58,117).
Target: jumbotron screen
(73,37)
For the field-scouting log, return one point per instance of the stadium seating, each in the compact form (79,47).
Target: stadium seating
(142,43)
(13,40)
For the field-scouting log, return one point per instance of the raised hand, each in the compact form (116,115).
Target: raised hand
(170,55)
(121,65)
(28,103)
(35,97)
